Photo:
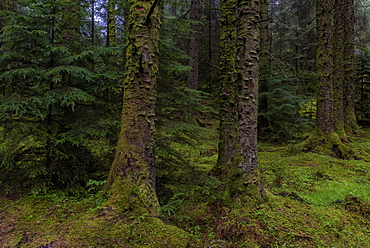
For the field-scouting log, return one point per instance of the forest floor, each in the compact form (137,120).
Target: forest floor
(312,201)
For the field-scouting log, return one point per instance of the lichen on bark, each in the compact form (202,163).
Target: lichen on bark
(329,134)
(244,183)
(227,129)
(132,176)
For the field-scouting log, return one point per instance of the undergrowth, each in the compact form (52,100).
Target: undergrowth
(313,201)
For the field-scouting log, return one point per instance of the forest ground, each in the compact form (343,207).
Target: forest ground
(313,201)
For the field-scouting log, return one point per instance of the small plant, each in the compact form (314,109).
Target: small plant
(94,185)
(172,205)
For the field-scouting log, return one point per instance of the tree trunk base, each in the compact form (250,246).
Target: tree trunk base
(331,145)
(125,196)
(244,189)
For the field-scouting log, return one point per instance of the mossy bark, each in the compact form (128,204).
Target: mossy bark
(132,176)
(244,182)
(227,100)
(329,125)
(349,68)
(111,24)
(239,62)
(324,67)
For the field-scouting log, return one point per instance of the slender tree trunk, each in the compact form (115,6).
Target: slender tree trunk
(111,24)
(338,74)
(244,182)
(92,21)
(132,176)
(349,68)
(227,127)
(194,45)
(264,66)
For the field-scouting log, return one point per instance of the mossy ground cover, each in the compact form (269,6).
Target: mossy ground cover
(312,201)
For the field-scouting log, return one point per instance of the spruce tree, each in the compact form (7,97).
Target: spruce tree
(47,106)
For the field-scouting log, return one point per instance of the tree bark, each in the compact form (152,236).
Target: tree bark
(192,81)
(132,176)
(324,137)
(227,81)
(349,68)
(244,182)
(111,24)
(324,65)
(338,76)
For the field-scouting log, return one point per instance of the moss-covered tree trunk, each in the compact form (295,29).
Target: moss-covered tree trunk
(324,65)
(111,23)
(325,138)
(192,81)
(244,182)
(227,100)
(132,176)
(349,71)
(338,69)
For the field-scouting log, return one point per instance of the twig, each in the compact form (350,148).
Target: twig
(278,62)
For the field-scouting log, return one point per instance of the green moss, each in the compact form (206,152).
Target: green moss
(126,196)
(243,189)
(312,201)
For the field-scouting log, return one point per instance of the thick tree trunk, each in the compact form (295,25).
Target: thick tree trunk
(228,116)
(192,81)
(324,65)
(244,182)
(338,76)
(132,176)
(349,71)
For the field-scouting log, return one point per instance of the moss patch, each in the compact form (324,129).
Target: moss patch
(312,201)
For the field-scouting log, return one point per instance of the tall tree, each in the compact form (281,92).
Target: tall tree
(324,64)
(244,181)
(244,184)
(132,176)
(338,68)
(348,64)
(325,134)
(227,134)
(192,81)
(41,67)
(111,23)
(264,66)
